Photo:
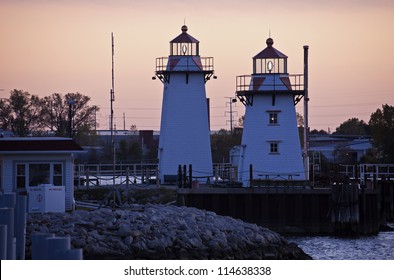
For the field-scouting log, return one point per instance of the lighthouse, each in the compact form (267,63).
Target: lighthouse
(184,129)
(270,148)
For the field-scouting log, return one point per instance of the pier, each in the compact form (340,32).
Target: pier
(350,208)
(293,210)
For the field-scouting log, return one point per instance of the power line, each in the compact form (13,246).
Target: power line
(132,108)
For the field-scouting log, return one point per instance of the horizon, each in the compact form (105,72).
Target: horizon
(66,47)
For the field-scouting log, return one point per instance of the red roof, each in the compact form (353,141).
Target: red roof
(184,37)
(38,144)
(270,51)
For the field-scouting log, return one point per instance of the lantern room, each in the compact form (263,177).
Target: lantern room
(184,44)
(270,60)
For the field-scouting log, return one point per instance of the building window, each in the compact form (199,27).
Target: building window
(57,174)
(39,174)
(20,176)
(35,174)
(273,117)
(274,147)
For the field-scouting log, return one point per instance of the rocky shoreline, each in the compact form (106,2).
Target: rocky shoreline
(155,231)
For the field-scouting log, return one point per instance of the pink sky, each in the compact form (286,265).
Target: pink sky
(65,46)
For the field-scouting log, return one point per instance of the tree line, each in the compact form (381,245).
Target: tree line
(380,128)
(68,115)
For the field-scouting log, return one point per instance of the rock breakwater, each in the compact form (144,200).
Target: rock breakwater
(154,231)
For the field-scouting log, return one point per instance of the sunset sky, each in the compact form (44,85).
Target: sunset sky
(65,46)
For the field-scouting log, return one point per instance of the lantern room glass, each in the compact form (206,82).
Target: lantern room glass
(262,65)
(183,49)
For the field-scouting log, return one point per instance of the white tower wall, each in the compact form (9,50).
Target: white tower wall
(184,130)
(258,134)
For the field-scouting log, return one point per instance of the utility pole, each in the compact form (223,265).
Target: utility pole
(230,102)
(306,125)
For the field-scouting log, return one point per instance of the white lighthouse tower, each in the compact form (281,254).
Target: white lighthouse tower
(271,148)
(184,130)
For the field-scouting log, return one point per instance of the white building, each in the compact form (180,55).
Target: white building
(184,130)
(270,139)
(29,162)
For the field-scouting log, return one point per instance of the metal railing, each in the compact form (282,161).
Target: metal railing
(91,175)
(365,172)
(206,64)
(248,83)
(101,175)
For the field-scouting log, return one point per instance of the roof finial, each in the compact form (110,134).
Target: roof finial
(269,34)
(269,42)
(184,27)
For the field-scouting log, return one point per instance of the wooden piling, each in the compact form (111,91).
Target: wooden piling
(190,175)
(345,217)
(184,177)
(180,176)
(250,175)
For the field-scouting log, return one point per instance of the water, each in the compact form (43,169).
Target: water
(379,247)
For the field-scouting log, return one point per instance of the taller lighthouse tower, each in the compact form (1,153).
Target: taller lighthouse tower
(270,141)
(184,130)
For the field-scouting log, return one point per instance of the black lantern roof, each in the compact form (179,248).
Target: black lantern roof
(270,51)
(184,37)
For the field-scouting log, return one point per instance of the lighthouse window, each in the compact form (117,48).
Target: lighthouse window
(273,118)
(274,148)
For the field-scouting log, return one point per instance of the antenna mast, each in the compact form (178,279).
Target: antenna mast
(114,191)
(306,114)
(112,99)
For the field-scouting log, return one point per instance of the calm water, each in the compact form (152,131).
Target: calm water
(379,247)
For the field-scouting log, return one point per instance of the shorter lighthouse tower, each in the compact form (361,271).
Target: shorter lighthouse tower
(271,148)
(184,129)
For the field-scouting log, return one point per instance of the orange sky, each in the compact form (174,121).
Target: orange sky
(65,46)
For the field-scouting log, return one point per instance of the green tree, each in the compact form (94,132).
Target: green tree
(222,142)
(5,114)
(300,120)
(353,126)
(135,151)
(382,128)
(241,121)
(20,113)
(319,132)
(344,155)
(57,110)
(129,150)
(122,153)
